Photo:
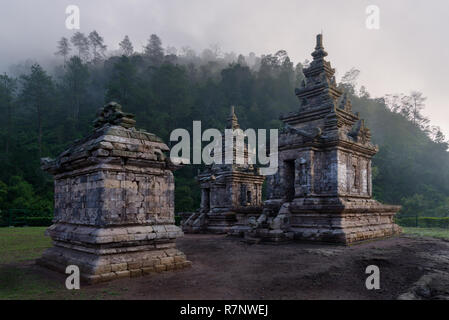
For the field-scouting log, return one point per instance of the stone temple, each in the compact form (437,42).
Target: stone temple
(231,194)
(114,203)
(322,190)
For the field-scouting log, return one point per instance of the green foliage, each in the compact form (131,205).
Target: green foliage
(46,114)
(410,168)
(187,193)
(3,194)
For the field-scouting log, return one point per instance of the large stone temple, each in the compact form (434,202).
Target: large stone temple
(114,203)
(231,194)
(322,190)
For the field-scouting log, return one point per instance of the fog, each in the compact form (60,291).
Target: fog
(408,52)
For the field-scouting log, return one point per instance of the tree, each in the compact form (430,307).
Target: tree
(8,88)
(171,50)
(37,88)
(63,48)
(122,83)
(349,80)
(409,107)
(287,74)
(363,92)
(20,193)
(415,103)
(299,75)
(98,46)
(126,47)
(81,43)
(394,102)
(75,82)
(412,159)
(154,51)
(216,50)
(241,60)
(3,195)
(436,134)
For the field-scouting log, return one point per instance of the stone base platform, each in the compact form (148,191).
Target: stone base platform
(332,220)
(345,228)
(346,223)
(100,257)
(220,223)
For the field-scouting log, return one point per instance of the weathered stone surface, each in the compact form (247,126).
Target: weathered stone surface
(322,190)
(230,193)
(114,202)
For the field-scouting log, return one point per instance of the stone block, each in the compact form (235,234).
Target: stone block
(123,274)
(160,267)
(148,270)
(109,188)
(135,273)
(119,267)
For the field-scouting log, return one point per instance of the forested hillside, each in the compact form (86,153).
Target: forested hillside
(44,111)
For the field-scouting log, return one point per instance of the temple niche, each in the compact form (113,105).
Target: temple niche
(322,190)
(114,203)
(231,194)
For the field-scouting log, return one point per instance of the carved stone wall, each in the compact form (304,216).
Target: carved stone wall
(230,194)
(114,203)
(325,153)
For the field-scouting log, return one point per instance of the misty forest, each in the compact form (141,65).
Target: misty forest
(44,110)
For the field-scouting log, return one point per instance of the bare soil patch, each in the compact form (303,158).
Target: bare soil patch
(227,268)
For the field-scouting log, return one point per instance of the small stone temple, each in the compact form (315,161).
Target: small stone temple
(322,190)
(230,193)
(114,203)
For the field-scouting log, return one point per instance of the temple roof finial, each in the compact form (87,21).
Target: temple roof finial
(319,52)
(319,41)
(112,114)
(232,120)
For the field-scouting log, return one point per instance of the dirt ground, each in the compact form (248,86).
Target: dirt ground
(228,268)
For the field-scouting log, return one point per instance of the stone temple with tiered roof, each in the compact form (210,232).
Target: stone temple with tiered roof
(114,203)
(322,190)
(231,193)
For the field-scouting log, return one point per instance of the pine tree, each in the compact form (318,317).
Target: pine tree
(8,88)
(63,48)
(154,51)
(98,47)
(126,47)
(37,92)
(75,82)
(81,43)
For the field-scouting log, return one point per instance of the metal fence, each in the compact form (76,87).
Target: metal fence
(417,221)
(24,217)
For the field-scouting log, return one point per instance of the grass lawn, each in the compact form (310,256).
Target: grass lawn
(18,248)
(20,278)
(21,244)
(428,232)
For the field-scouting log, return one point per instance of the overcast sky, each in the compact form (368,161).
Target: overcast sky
(410,51)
